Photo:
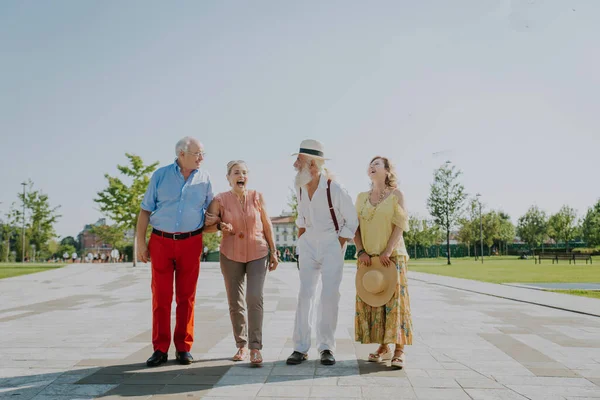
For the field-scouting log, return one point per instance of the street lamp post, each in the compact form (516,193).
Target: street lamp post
(480,226)
(23,230)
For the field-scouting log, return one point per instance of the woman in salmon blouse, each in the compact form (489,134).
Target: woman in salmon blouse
(247,250)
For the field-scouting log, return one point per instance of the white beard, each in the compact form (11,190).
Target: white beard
(303,177)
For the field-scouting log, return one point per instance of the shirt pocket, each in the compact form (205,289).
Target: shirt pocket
(196,195)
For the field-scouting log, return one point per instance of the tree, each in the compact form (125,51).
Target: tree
(590,226)
(411,238)
(491,229)
(563,225)
(7,231)
(53,246)
(121,202)
(65,248)
(468,232)
(109,234)
(293,203)
(212,240)
(70,240)
(507,230)
(446,200)
(532,227)
(39,219)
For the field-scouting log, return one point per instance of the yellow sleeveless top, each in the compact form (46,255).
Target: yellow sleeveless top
(377,224)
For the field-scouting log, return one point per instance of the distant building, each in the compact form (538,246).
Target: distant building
(285,230)
(91,243)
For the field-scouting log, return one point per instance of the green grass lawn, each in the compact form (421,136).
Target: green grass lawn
(505,270)
(10,270)
(594,294)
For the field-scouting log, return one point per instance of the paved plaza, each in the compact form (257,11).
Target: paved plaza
(83,332)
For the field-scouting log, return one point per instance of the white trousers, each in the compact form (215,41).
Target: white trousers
(321,256)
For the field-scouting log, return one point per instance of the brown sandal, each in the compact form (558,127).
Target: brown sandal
(255,357)
(241,354)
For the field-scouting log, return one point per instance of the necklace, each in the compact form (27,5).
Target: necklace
(241,199)
(368,214)
(381,196)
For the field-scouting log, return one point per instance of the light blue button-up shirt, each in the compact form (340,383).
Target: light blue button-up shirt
(175,204)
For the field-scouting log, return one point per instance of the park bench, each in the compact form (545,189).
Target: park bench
(571,257)
(582,257)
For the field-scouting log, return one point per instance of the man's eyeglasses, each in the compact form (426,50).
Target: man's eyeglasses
(197,155)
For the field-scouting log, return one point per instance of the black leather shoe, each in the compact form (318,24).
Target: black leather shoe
(296,358)
(327,357)
(184,357)
(157,358)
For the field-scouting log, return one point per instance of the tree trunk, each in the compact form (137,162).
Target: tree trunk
(416,251)
(135,245)
(448,244)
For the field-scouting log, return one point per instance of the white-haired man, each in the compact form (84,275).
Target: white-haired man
(326,220)
(175,204)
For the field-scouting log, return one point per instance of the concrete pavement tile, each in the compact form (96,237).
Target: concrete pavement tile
(325,381)
(441,394)
(494,394)
(235,391)
(454,373)
(21,393)
(543,381)
(291,380)
(555,391)
(101,379)
(335,371)
(478,383)
(284,391)
(335,391)
(388,392)
(135,390)
(434,383)
(185,390)
(233,380)
(79,390)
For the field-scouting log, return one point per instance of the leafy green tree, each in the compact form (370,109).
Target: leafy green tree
(212,240)
(109,234)
(39,219)
(120,201)
(591,225)
(532,227)
(446,200)
(563,225)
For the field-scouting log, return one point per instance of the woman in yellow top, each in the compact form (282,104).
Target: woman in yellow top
(382,220)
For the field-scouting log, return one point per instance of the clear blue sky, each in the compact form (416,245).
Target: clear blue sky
(510,88)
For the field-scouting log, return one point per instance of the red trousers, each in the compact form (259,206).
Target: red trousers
(179,259)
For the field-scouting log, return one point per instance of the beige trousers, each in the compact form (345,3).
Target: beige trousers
(246,333)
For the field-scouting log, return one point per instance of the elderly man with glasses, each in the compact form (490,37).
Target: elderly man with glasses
(175,204)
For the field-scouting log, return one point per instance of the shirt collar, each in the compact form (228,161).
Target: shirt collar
(178,168)
(322,181)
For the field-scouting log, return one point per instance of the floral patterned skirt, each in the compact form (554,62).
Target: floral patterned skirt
(390,323)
